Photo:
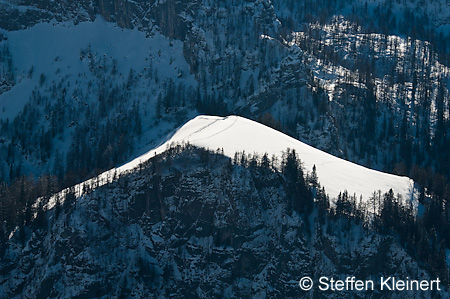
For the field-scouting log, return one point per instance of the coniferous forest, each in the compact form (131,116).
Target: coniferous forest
(88,86)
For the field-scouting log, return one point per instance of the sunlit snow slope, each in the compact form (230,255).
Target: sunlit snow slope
(234,133)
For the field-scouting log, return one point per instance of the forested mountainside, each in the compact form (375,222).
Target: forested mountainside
(191,222)
(87,85)
(367,81)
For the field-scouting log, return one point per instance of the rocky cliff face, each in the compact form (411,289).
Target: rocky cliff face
(191,223)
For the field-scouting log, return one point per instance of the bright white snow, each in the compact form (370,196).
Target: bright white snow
(234,133)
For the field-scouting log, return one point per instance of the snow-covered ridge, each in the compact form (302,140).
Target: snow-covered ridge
(234,133)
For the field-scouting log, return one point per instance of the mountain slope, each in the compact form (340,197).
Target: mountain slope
(67,80)
(86,85)
(191,223)
(237,134)
(325,74)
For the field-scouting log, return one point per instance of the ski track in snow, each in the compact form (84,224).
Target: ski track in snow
(234,122)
